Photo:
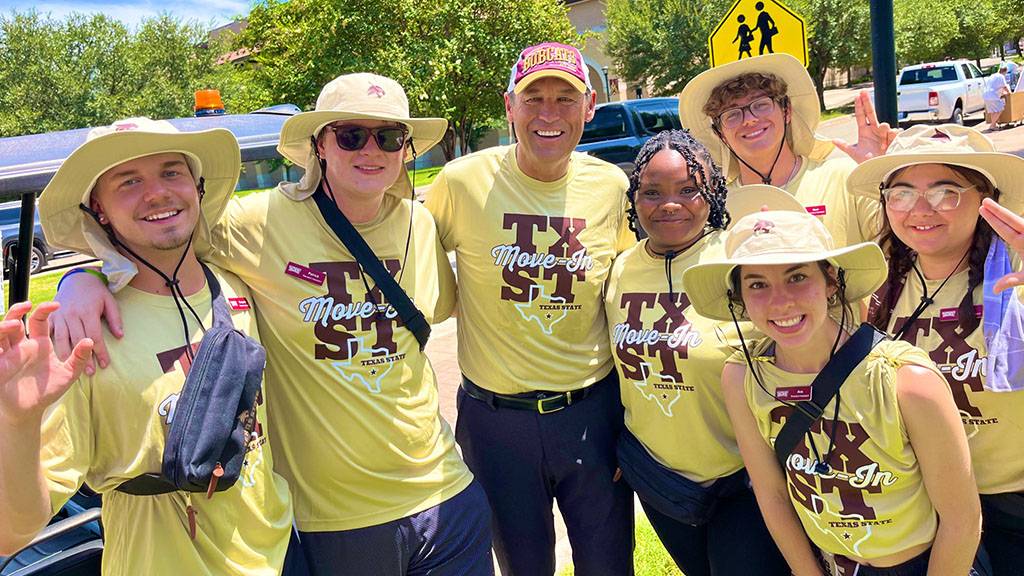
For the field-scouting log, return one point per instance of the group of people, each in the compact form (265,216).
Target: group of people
(801,363)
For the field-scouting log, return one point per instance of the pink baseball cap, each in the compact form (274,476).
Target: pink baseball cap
(549,59)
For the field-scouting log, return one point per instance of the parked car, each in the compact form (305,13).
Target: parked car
(939,92)
(619,129)
(42,252)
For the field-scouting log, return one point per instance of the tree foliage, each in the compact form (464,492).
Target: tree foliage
(661,43)
(452,56)
(92,70)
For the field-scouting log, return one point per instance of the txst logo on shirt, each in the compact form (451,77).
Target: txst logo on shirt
(640,349)
(356,333)
(960,363)
(858,476)
(526,265)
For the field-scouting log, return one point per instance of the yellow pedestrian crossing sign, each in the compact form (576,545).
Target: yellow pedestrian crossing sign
(755,27)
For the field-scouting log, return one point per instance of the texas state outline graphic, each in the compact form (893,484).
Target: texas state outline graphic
(664,398)
(378,371)
(552,317)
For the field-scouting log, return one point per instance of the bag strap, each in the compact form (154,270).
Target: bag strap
(354,242)
(221,314)
(824,388)
(150,483)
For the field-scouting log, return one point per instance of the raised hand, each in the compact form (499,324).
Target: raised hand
(1010,228)
(31,375)
(873,139)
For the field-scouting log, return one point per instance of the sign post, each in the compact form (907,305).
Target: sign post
(756,27)
(883,60)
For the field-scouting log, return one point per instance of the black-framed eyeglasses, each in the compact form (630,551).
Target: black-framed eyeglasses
(941,198)
(759,108)
(353,138)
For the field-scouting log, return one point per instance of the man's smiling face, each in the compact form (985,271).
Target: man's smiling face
(548,116)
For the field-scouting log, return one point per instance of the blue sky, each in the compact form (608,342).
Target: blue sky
(207,12)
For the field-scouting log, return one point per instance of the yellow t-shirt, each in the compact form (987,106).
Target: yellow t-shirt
(111,427)
(994,421)
(670,362)
(351,397)
(873,503)
(532,259)
(821,188)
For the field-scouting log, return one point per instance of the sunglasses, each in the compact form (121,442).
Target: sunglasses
(759,108)
(353,138)
(941,198)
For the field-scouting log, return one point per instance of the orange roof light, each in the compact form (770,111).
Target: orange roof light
(208,100)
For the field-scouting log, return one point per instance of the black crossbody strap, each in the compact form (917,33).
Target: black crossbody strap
(824,389)
(350,237)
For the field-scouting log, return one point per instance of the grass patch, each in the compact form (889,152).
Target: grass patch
(424,176)
(41,287)
(649,557)
(837,112)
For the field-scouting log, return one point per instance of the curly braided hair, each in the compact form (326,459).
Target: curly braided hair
(902,258)
(702,168)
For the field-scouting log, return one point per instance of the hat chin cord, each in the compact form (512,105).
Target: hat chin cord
(171,281)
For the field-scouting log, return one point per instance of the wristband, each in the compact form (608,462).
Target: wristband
(94,271)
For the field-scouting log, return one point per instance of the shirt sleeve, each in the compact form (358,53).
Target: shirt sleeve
(439,203)
(66,446)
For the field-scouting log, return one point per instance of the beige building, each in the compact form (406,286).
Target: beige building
(588,16)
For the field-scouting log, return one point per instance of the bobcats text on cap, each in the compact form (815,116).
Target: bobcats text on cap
(549,59)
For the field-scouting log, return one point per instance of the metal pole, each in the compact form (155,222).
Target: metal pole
(23,258)
(883,48)
(607,85)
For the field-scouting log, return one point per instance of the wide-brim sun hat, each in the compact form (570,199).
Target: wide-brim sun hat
(359,96)
(779,237)
(949,144)
(212,155)
(803,98)
(752,198)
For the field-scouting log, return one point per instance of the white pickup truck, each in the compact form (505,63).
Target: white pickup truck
(939,92)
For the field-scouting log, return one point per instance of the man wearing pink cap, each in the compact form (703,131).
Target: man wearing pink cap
(534,226)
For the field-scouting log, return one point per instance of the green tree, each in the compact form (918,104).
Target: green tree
(89,70)
(661,43)
(839,36)
(452,56)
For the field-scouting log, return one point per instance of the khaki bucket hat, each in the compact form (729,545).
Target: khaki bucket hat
(803,98)
(781,237)
(950,144)
(212,155)
(359,96)
(752,198)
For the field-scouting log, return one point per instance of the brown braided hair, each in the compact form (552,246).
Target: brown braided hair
(902,258)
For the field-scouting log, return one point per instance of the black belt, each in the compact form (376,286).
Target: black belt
(541,402)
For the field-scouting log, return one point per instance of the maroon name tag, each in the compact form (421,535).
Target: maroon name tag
(817,210)
(793,393)
(304,273)
(953,314)
(238,303)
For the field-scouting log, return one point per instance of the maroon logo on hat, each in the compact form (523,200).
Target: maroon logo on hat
(763,226)
(125,126)
(375,90)
(940,135)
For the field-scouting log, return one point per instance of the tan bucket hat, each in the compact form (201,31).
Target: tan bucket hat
(211,154)
(944,144)
(781,237)
(753,197)
(803,98)
(359,96)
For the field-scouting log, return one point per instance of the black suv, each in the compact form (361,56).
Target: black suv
(619,129)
